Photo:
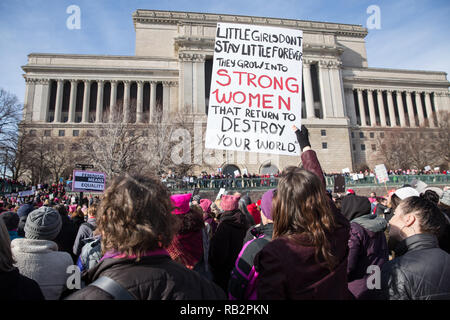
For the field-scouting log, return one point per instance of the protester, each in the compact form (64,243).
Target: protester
(13,285)
(68,233)
(23,212)
(11,220)
(209,216)
(37,255)
(367,243)
(444,206)
(91,253)
(191,242)
(86,230)
(242,284)
(227,241)
(136,225)
(242,204)
(78,217)
(253,209)
(420,269)
(307,258)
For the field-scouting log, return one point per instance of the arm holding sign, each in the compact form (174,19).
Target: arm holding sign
(309,157)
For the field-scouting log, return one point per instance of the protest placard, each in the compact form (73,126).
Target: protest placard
(427,168)
(346,170)
(255,96)
(221,192)
(381,173)
(88,181)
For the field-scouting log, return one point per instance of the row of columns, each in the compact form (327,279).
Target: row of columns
(390,104)
(113,100)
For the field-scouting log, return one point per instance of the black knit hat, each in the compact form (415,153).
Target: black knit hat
(11,220)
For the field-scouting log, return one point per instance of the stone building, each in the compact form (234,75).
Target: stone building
(346,104)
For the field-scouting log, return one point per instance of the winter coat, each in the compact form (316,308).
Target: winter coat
(368,246)
(242,284)
(41,261)
(287,270)
(14,286)
(153,277)
(78,221)
(85,231)
(67,235)
(225,246)
(420,271)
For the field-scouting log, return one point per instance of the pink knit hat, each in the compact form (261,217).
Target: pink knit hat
(229,202)
(180,202)
(205,204)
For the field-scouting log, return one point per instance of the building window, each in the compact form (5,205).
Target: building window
(60,147)
(103,133)
(131,133)
(363,147)
(76,133)
(61,133)
(372,135)
(33,133)
(361,134)
(47,133)
(382,135)
(324,145)
(145,133)
(353,135)
(374,147)
(323,133)
(89,133)
(75,147)
(354,147)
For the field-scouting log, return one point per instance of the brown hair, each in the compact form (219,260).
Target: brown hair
(301,207)
(92,210)
(135,215)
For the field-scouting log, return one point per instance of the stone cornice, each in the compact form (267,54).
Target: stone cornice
(181,18)
(98,57)
(399,89)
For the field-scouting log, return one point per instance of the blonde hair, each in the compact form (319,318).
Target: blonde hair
(6,258)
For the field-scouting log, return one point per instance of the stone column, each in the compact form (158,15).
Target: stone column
(113,101)
(199,84)
(419,108)
(381,108)
(410,108)
(325,90)
(309,97)
(140,105)
(373,118)
(126,101)
(28,100)
(362,113)
(350,106)
(337,96)
(186,89)
(152,111)
(430,115)
(86,101)
(166,101)
(173,92)
(72,100)
(390,103)
(44,99)
(99,109)
(401,109)
(58,102)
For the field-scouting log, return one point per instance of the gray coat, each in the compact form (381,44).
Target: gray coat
(41,261)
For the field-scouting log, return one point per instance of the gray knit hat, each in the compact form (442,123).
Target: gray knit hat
(43,224)
(445,199)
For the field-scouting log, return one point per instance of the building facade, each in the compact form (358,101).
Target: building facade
(346,105)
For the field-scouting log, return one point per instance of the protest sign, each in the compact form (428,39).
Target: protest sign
(354,177)
(381,173)
(437,168)
(360,176)
(346,170)
(26,193)
(88,181)
(221,192)
(255,96)
(427,168)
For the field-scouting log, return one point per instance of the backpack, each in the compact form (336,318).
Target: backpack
(91,253)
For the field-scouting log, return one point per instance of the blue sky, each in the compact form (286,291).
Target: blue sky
(414,34)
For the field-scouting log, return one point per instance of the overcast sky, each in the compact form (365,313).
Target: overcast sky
(413,35)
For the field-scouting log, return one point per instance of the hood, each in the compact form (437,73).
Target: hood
(372,222)
(235,218)
(24,245)
(354,206)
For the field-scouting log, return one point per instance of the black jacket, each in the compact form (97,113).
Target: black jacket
(155,277)
(225,246)
(14,286)
(421,271)
(66,236)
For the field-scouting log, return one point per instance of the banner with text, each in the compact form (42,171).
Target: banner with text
(88,181)
(255,96)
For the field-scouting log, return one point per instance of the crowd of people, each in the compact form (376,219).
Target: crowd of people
(140,242)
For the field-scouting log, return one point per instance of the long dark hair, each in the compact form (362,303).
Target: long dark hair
(301,207)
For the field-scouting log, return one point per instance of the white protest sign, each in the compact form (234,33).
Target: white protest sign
(255,96)
(437,168)
(381,173)
(360,176)
(244,171)
(355,177)
(221,192)
(236,173)
(427,168)
(88,181)
(346,170)
(26,193)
